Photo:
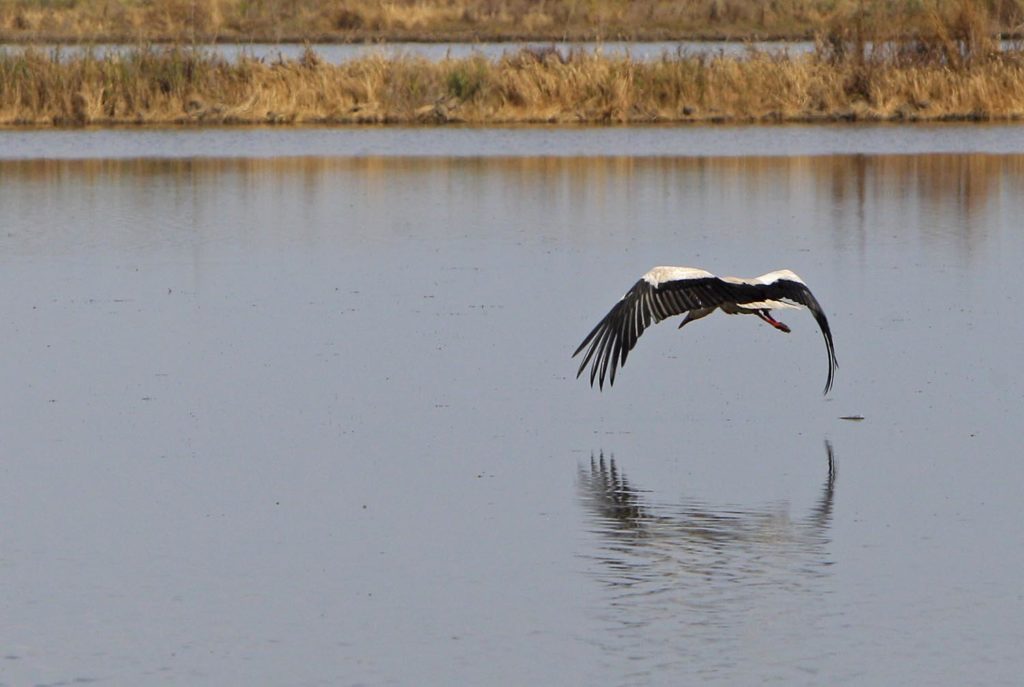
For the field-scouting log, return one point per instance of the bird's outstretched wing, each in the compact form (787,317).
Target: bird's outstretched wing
(650,300)
(795,291)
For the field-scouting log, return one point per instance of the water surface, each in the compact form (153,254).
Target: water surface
(510,141)
(313,419)
(336,53)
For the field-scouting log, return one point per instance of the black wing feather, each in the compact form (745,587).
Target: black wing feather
(796,292)
(799,293)
(609,343)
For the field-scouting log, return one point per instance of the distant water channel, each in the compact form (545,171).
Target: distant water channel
(292,407)
(336,53)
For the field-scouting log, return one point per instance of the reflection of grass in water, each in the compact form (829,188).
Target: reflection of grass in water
(445,20)
(941,77)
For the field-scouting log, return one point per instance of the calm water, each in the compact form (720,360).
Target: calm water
(311,418)
(336,53)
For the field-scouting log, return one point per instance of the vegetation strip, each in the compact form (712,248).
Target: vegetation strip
(206,21)
(183,86)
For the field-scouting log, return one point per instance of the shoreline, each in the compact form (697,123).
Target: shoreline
(444,21)
(468,37)
(427,38)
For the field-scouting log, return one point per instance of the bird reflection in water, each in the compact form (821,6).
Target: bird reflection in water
(695,584)
(622,515)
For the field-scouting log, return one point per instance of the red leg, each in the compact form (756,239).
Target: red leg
(763,314)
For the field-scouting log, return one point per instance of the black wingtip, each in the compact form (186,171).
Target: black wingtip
(833,364)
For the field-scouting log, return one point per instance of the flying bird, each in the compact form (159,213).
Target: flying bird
(668,291)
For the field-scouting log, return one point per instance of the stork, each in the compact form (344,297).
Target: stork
(668,291)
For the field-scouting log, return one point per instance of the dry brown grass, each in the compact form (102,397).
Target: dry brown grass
(177,86)
(942,63)
(447,20)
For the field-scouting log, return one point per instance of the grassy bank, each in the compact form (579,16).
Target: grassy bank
(838,82)
(131,21)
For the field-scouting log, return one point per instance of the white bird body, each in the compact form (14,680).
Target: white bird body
(667,291)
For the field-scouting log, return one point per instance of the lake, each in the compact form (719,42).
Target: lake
(298,407)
